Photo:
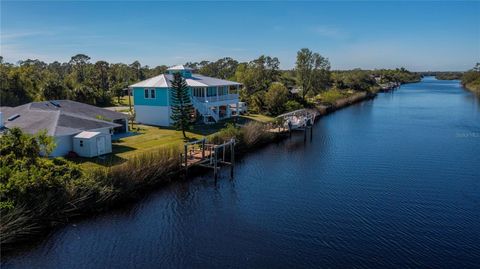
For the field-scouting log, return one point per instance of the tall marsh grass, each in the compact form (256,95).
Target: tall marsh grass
(102,188)
(96,190)
(248,136)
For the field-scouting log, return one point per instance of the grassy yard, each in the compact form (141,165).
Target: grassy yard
(123,101)
(332,95)
(258,117)
(150,138)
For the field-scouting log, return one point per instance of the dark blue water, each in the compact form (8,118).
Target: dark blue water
(393,182)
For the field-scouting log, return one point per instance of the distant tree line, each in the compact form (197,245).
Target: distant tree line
(269,90)
(449,75)
(444,75)
(266,88)
(79,79)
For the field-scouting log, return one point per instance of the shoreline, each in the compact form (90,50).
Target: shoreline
(345,102)
(18,242)
(470,88)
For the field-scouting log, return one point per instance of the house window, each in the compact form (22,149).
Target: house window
(198,92)
(81,143)
(211,91)
(149,93)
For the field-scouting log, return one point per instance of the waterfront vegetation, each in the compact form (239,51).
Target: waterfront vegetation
(38,193)
(471,79)
(448,75)
(333,95)
(104,84)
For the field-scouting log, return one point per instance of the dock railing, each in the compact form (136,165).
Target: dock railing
(298,119)
(201,153)
(301,119)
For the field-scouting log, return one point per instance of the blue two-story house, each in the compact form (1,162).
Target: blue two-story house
(214,99)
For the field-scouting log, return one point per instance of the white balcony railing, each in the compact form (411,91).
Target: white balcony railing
(205,110)
(216,98)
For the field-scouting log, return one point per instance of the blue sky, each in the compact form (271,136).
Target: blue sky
(377,34)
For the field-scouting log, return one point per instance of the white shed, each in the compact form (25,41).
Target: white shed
(92,144)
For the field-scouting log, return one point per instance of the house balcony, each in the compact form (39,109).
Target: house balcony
(227,98)
(215,107)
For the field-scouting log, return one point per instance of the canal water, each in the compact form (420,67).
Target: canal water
(392,182)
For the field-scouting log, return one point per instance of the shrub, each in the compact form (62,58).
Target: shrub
(471,79)
(254,133)
(34,190)
(256,102)
(247,136)
(292,105)
(275,98)
(331,96)
(26,178)
(230,131)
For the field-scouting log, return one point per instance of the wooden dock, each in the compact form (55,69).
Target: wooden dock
(277,130)
(203,154)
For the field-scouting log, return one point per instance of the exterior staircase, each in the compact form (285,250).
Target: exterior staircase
(205,111)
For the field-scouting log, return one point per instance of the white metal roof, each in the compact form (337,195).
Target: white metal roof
(179,67)
(86,134)
(160,81)
(164,81)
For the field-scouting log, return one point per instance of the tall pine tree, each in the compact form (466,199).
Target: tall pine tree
(182,107)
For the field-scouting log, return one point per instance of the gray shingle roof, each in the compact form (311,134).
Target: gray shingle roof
(77,108)
(69,117)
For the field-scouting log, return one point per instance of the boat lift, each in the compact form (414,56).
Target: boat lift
(300,120)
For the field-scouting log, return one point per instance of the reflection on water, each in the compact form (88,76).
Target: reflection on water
(393,182)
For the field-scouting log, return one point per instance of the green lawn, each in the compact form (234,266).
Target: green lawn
(150,138)
(123,101)
(333,95)
(258,117)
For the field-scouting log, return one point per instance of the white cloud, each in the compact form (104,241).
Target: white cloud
(18,35)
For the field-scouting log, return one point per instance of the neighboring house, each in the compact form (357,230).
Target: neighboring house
(212,98)
(65,119)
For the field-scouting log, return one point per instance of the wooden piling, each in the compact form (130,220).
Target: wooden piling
(212,159)
(232,158)
(215,174)
(186,160)
(223,153)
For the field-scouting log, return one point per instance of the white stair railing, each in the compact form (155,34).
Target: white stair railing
(204,110)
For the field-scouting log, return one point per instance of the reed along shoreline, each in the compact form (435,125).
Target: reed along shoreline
(117,186)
